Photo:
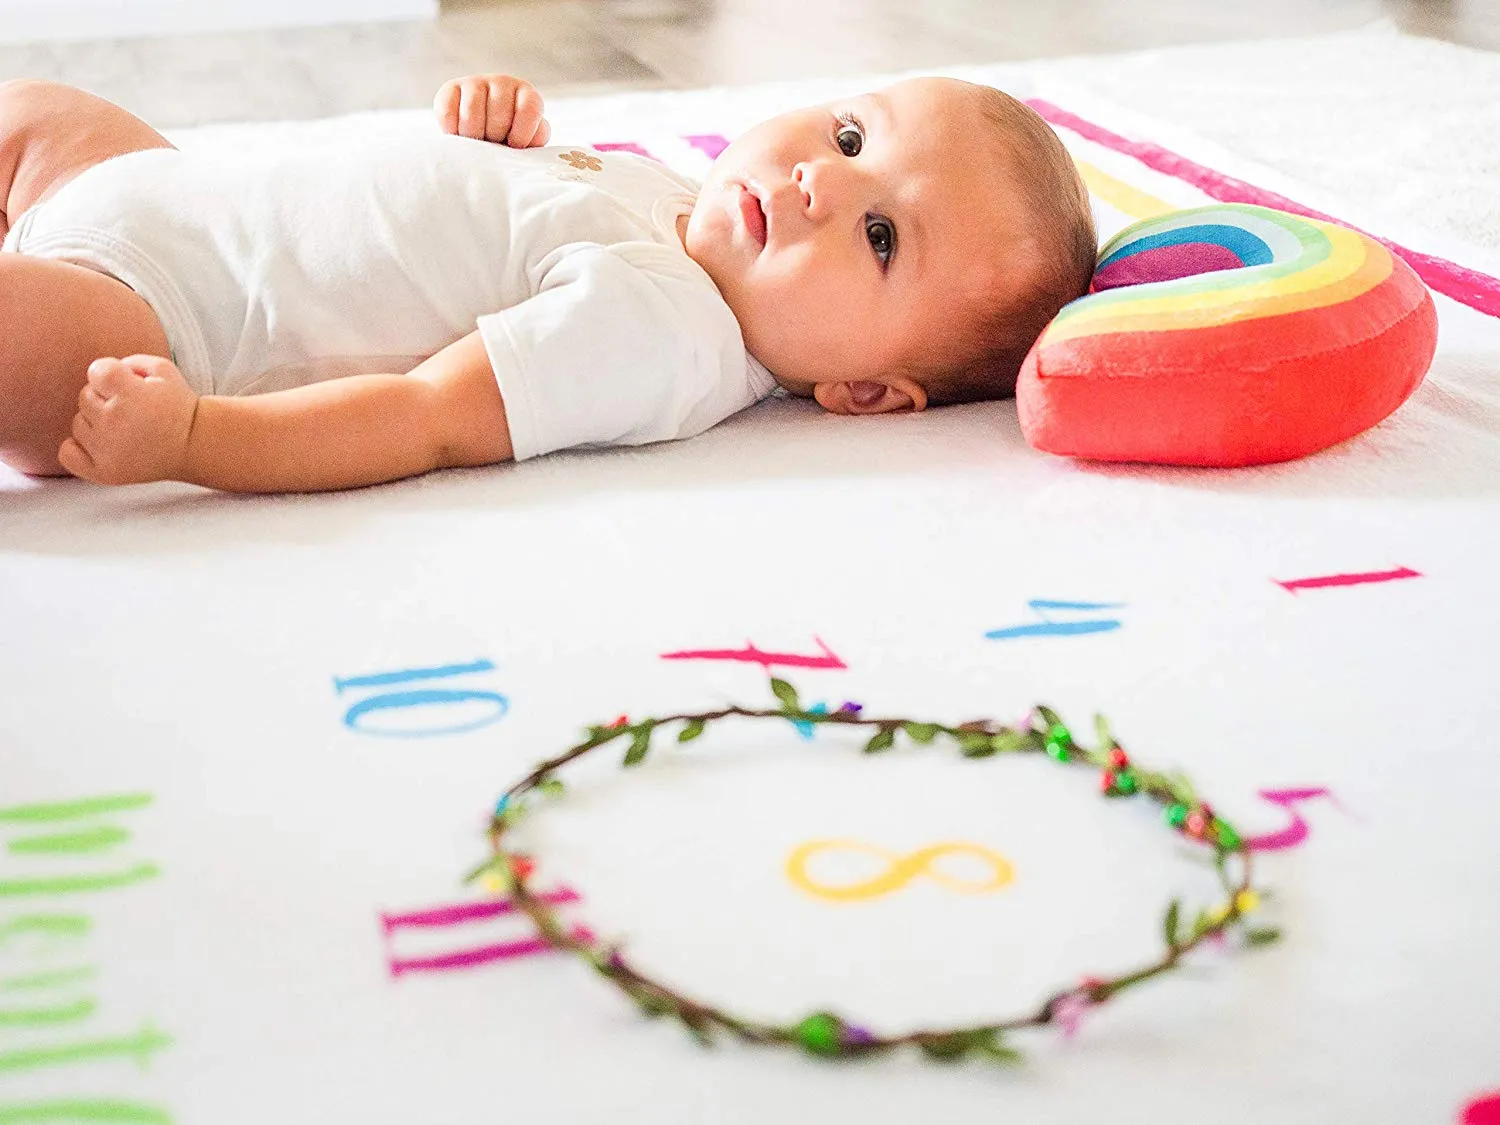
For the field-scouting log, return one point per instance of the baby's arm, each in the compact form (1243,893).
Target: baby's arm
(139,421)
(493,107)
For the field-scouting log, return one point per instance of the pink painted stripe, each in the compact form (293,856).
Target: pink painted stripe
(470,911)
(484,954)
(1479,291)
(752,655)
(624,146)
(1348,579)
(710,144)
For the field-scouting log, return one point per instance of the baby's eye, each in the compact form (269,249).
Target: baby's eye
(850,135)
(882,238)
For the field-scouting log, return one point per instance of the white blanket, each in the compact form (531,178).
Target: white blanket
(271,926)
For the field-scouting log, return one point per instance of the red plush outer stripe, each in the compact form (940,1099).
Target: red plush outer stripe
(1249,393)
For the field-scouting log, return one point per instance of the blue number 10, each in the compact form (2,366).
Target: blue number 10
(493,705)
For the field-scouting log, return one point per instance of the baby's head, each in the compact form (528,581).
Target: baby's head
(896,249)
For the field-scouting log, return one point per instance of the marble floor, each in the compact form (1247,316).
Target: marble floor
(590,46)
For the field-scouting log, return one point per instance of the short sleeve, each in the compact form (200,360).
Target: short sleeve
(622,345)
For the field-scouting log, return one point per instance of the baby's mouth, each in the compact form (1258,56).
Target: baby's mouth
(752,215)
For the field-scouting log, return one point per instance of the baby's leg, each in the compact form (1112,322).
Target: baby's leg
(49,133)
(56,318)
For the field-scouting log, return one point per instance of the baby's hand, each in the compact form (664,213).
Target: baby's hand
(493,107)
(133,421)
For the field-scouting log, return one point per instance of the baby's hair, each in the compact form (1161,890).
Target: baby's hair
(1059,227)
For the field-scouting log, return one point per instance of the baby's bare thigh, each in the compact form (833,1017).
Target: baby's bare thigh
(49,133)
(56,319)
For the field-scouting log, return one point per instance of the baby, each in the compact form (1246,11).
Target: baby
(381,306)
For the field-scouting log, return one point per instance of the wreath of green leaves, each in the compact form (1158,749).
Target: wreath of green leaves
(827,1034)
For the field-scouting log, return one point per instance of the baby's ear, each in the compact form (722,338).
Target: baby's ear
(866,396)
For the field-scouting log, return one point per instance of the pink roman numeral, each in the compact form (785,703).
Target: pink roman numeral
(462,915)
(1296,584)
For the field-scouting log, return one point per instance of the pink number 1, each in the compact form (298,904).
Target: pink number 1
(1295,832)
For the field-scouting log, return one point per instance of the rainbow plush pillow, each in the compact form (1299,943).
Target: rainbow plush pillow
(1228,335)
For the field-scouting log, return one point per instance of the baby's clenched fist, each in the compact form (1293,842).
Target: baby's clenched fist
(493,107)
(133,422)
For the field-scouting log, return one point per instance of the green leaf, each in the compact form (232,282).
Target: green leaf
(1202,923)
(552,787)
(1181,787)
(880,740)
(691,730)
(946,1048)
(1049,716)
(1261,935)
(992,1044)
(514,813)
(1004,1054)
(652,1004)
(1101,730)
(698,1027)
(921,732)
(976,745)
(483,869)
(640,742)
(1008,741)
(1169,923)
(786,693)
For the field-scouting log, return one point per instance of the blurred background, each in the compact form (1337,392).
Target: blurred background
(188,62)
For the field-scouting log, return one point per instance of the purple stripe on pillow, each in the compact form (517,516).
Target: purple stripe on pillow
(1166,263)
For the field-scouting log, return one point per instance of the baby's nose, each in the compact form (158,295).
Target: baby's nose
(812,183)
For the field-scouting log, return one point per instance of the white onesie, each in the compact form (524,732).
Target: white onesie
(379,250)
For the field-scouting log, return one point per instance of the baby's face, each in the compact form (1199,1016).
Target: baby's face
(847,237)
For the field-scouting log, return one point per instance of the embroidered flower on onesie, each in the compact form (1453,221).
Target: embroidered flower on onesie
(581,160)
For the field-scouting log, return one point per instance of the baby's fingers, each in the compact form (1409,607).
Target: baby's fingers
(527,128)
(446,104)
(109,377)
(477,108)
(501,112)
(90,406)
(463,105)
(75,458)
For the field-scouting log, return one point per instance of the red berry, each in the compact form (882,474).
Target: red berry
(522,866)
(1107,781)
(1196,824)
(620,722)
(1118,759)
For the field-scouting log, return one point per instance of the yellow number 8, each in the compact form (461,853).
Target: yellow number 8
(902,870)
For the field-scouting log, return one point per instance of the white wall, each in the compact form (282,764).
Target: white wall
(29,20)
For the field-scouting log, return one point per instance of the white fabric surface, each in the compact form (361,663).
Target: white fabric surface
(189,645)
